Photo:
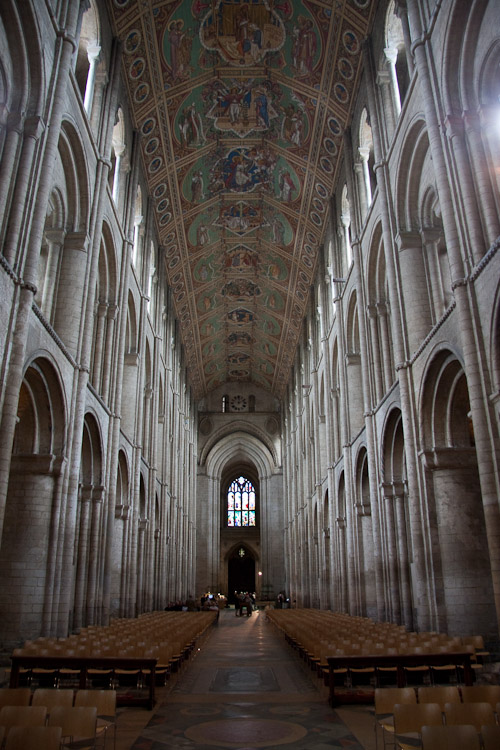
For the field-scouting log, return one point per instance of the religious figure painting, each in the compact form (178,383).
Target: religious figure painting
(305,47)
(242,34)
(241,258)
(243,169)
(240,290)
(240,217)
(241,107)
(180,41)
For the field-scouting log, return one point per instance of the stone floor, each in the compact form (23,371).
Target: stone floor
(244,688)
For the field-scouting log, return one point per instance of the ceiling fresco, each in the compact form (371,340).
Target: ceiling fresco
(241,108)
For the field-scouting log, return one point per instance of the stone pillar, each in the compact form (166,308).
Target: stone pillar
(375,351)
(388,107)
(100,322)
(414,284)
(467,582)
(391,54)
(67,315)
(93,52)
(81,557)
(364,153)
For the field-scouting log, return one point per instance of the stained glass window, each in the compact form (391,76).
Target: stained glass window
(241,503)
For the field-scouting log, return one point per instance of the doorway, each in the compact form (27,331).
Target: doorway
(240,572)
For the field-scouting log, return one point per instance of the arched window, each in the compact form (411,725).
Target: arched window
(241,503)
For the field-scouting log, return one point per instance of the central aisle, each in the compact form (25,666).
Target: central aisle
(245,688)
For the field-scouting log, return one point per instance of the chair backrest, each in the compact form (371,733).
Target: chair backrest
(15,697)
(25,716)
(481,694)
(74,722)
(491,736)
(476,714)
(439,694)
(463,736)
(412,717)
(386,698)
(51,697)
(34,738)
(103,700)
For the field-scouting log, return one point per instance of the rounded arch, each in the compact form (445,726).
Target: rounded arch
(91,468)
(409,175)
(41,426)
(353,342)
(22,51)
(257,444)
(376,270)
(122,479)
(393,447)
(445,420)
(72,155)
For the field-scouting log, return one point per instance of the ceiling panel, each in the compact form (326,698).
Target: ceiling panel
(241,107)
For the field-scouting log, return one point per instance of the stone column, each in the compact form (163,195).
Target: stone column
(467,581)
(404,563)
(100,316)
(391,54)
(81,557)
(388,107)
(94,591)
(93,52)
(375,351)
(414,284)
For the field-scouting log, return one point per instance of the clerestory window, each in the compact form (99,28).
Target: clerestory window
(241,503)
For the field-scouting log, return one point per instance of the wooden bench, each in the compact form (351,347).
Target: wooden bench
(84,664)
(399,662)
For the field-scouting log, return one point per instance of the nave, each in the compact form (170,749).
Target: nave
(244,688)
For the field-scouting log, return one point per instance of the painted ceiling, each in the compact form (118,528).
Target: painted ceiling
(241,107)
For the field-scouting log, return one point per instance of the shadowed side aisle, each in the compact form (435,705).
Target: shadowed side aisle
(245,688)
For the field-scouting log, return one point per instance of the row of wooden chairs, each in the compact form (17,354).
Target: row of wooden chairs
(31,738)
(400,713)
(86,714)
(166,636)
(77,725)
(319,634)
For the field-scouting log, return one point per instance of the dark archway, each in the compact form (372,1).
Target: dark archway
(240,572)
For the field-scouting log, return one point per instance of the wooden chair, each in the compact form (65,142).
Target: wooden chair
(482,694)
(105,703)
(490,735)
(15,697)
(34,738)
(462,736)
(441,694)
(385,700)
(477,714)
(409,720)
(50,697)
(78,726)
(22,716)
